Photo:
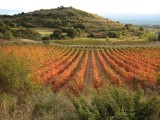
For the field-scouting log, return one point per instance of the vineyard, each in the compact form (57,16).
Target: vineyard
(75,69)
(103,42)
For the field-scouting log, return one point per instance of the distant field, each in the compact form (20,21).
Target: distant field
(44,31)
(95,42)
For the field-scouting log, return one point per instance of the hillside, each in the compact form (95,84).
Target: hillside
(62,17)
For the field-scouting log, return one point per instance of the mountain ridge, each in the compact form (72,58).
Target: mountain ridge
(62,17)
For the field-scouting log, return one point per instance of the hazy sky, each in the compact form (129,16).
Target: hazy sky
(100,7)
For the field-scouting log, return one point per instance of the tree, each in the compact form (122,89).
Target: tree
(114,34)
(57,34)
(129,26)
(71,33)
(141,28)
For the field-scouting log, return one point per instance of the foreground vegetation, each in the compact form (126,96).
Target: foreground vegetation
(23,99)
(125,87)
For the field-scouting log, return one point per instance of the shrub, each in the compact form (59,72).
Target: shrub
(2,25)
(114,34)
(27,34)
(118,104)
(152,37)
(52,106)
(107,39)
(71,33)
(46,38)
(57,34)
(41,105)
(8,35)
(129,27)
(141,28)
(15,75)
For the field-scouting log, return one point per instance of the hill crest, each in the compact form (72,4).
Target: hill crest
(63,17)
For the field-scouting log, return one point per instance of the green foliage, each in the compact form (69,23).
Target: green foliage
(15,75)
(68,17)
(46,38)
(49,105)
(141,28)
(124,32)
(107,39)
(80,25)
(114,34)
(2,25)
(129,26)
(13,25)
(57,34)
(8,35)
(65,32)
(118,104)
(41,105)
(71,32)
(26,34)
(152,37)
(5,32)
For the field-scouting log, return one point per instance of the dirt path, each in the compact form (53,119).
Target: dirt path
(100,68)
(30,41)
(89,74)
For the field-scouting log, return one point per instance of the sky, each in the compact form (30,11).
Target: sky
(104,8)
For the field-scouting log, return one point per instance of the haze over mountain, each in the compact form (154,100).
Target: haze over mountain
(136,19)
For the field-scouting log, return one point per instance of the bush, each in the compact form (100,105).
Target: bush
(141,28)
(46,38)
(114,34)
(26,34)
(117,104)
(57,34)
(129,27)
(52,106)
(71,32)
(15,75)
(41,105)
(152,37)
(8,35)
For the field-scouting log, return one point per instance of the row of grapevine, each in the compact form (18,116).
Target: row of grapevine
(64,65)
(97,80)
(77,85)
(63,77)
(111,75)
